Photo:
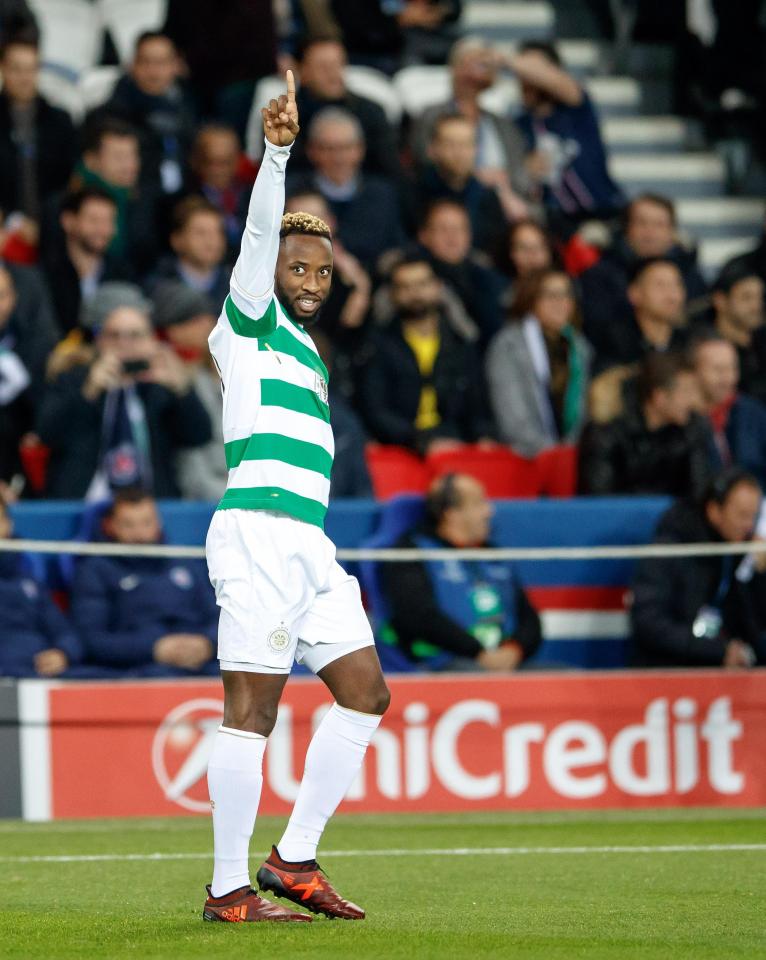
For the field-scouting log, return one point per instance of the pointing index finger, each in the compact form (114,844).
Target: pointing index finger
(290,86)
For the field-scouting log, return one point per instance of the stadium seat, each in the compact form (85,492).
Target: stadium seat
(126,19)
(399,515)
(62,91)
(422,87)
(376,86)
(96,86)
(34,462)
(558,471)
(395,470)
(71,32)
(503,473)
(88,529)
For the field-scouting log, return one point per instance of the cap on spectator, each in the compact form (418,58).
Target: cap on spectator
(111,296)
(175,302)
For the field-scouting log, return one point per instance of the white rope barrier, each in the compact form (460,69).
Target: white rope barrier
(394,555)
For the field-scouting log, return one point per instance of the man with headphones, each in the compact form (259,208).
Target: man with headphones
(704,610)
(457,614)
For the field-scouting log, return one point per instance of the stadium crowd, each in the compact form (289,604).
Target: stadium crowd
(469,312)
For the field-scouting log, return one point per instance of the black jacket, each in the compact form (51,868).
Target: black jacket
(56,152)
(624,457)
(607,312)
(32,324)
(71,426)
(390,386)
(416,615)
(668,593)
(64,281)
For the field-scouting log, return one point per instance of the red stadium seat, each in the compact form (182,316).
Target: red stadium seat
(558,471)
(34,462)
(504,474)
(395,470)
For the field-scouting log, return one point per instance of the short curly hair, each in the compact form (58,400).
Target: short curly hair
(304,223)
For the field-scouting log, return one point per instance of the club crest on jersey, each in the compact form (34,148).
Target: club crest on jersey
(279,639)
(320,387)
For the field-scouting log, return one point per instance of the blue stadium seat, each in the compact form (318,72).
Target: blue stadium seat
(88,529)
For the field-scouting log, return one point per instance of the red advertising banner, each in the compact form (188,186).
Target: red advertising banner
(448,743)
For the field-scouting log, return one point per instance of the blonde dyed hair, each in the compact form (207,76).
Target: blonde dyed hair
(306,223)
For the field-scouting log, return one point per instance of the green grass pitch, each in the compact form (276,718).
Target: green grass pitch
(550,899)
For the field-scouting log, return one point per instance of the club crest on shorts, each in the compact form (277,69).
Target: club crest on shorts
(279,639)
(320,387)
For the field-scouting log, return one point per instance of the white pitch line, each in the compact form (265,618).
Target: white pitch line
(409,852)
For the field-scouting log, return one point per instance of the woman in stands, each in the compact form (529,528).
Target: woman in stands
(538,366)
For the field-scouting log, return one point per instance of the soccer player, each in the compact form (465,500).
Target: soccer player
(282,595)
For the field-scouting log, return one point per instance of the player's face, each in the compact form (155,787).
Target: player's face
(304,275)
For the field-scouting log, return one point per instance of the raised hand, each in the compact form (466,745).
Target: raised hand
(280,118)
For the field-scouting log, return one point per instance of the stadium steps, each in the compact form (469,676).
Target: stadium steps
(505,20)
(720,218)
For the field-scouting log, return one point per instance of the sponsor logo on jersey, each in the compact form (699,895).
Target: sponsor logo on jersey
(279,639)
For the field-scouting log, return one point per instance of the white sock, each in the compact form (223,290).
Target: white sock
(333,759)
(234,780)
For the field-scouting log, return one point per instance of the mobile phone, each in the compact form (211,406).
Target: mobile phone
(135,366)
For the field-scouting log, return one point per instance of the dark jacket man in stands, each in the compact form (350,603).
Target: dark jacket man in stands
(696,611)
(451,174)
(738,316)
(151,99)
(423,387)
(656,323)
(658,445)
(78,261)
(738,422)
(454,613)
(217,175)
(38,143)
(445,235)
(36,640)
(16,392)
(198,240)
(119,420)
(322,84)
(144,615)
(336,149)
(649,233)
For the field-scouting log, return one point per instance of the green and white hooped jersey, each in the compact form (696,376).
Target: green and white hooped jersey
(276,419)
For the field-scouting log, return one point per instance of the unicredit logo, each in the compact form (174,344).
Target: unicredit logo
(470,751)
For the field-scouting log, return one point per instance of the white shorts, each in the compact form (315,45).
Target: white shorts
(282,594)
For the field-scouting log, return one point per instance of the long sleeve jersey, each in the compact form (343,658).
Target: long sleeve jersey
(276,419)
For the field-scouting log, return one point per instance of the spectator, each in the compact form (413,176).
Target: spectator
(694,611)
(37,140)
(198,241)
(384,35)
(36,640)
(500,145)
(754,259)
(27,328)
(649,233)
(16,409)
(216,165)
(738,422)
(529,248)
(111,162)
(452,175)
(336,150)
(151,99)
(658,301)
(224,61)
(119,419)
(78,261)
(445,235)
(538,367)
(562,129)
(658,445)
(739,317)
(144,615)
(423,387)
(322,84)
(473,615)
(185,318)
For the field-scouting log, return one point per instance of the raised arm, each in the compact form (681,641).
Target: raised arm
(252,280)
(534,68)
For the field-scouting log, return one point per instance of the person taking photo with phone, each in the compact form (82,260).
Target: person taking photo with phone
(118,419)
